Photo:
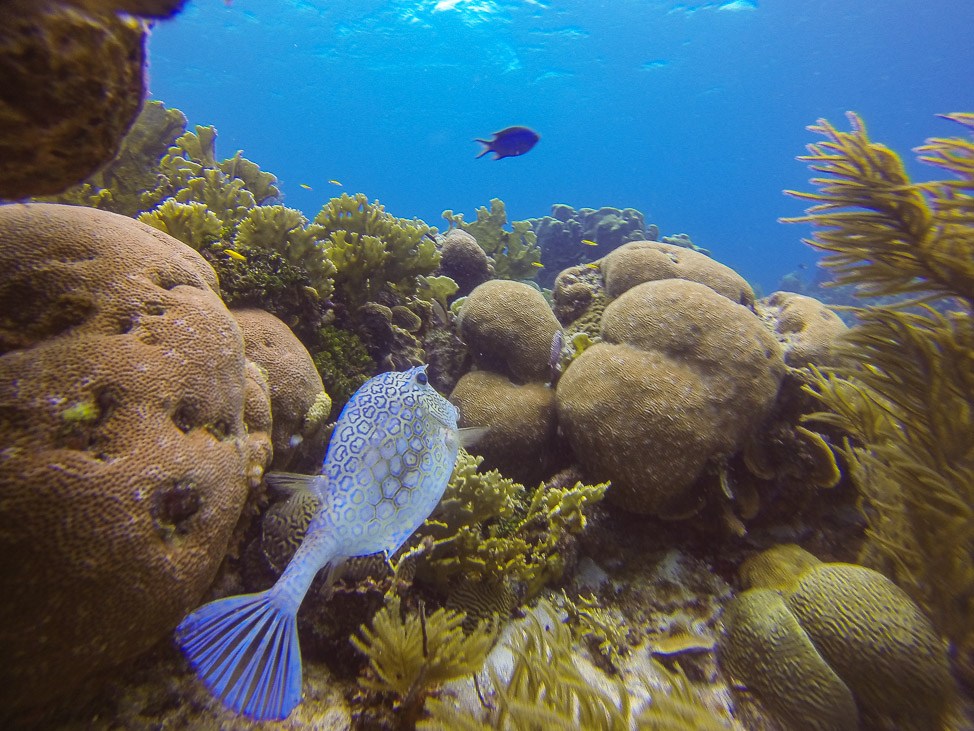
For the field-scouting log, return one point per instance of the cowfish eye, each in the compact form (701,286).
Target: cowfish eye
(421,378)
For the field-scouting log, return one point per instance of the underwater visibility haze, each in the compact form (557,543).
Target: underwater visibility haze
(690,112)
(614,357)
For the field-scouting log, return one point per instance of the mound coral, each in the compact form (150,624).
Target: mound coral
(73,84)
(508,327)
(905,393)
(513,254)
(681,378)
(126,460)
(647,261)
(833,642)
(521,440)
(299,404)
(464,261)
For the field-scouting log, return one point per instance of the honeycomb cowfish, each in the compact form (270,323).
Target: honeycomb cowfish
(391,454)
(510,142)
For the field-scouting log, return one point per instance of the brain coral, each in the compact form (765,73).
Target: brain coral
(299,404)
(647,261)
(878,641)
(851,619)
(806,328)
(124,456)
(464,261)
(73,85)
(682,376)
(521,419)
(508,327)
(765,646)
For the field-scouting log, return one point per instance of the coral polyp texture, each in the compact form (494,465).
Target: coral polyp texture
(825,644)
(73,84)
(125,460)
(299,404)
(682,377)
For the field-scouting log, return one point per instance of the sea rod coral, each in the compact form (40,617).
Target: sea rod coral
(906,392)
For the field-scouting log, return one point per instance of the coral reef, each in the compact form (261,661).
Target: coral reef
(343,363)
(299,404)
(126,460)
(680,368)
(905,391)
(513,254)
(824,644)
(560,235)
(74,80)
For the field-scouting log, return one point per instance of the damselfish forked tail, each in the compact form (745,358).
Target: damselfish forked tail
(245,648)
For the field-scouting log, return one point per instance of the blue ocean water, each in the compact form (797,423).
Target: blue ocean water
(692,112)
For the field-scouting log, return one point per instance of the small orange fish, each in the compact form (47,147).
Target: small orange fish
(306,186)
(537,264)
(235,255)
(589,242)
(335,182)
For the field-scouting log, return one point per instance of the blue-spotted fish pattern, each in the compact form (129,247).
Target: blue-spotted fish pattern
(390,457)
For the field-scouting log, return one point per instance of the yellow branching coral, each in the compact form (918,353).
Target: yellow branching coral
(906,396)
(490,527)
(371,248)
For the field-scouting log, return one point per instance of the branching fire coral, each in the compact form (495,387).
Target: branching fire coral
(515,254)
(906,396)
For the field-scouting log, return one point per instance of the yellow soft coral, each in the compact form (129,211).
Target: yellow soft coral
(907,395)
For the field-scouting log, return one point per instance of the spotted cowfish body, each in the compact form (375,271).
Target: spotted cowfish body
(390,457)
(388,462)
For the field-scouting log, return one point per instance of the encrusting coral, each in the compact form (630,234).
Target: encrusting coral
(513,254)
(126,460)
(905,393)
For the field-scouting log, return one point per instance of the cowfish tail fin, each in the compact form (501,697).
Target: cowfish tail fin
(245,649)
(487,148)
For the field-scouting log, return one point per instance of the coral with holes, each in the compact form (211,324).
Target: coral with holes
(125,459)
(827,644)
(680,368)
(74,79)
(299,404)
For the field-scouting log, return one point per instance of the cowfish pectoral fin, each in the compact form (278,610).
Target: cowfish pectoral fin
(245,649)
(470,435)
(291,483)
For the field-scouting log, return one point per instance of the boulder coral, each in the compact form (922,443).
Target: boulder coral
(125,459)
(299,404)
(861,636)
(520,419)
(647,261)
(73,84)
(681,378)
(807,330)
(464,261)
(508,327)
